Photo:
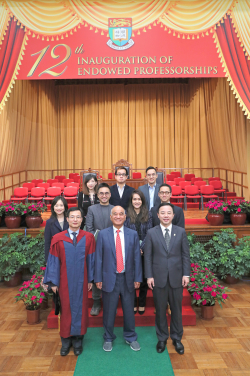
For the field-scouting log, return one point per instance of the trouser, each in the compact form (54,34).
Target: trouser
(110,302)
(142,294)
(96,293)
(161,298)
(75,341)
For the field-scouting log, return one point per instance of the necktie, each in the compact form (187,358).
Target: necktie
(74,238)
(118,250)
(167,237)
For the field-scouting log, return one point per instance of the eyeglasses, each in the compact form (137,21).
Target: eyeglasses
(164,193)
(151,175)
(104,193)
(121,175)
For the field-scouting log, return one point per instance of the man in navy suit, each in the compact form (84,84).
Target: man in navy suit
(151,189)
(118,271)
(120,192)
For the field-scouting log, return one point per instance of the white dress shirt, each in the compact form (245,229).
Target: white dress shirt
(120,190)
(121,234)
(71,233)
(151,191)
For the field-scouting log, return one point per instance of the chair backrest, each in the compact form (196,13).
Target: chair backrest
(54,191)
(136,175)
(170,177)
(86,174)
(60,185)
(178,180)
(184,183)
(77,179)
(191,190)
(196,179)
(176,190)
(199,183)
(50,181)
(73,175)
(29,186)
(172,183)
(160,177)
(37,181)
(21,192)
(216,184)
(176,174)
(70,191)
(111,175)
(60,178)
(44,185)
(213,179)
(207,189)
(66,181)
(73,185)
(188,177)
(37,192)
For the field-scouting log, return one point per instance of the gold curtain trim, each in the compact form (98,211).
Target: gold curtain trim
(15,73)
(241,22)
(4,21)
(229,78)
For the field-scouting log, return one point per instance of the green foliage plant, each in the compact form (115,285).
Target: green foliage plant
(200,254)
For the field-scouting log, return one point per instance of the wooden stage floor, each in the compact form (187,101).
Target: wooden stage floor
(220,347)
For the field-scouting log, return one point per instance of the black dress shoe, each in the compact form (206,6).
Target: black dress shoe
(160,347)
(64,351)
(77,351)
(178,346)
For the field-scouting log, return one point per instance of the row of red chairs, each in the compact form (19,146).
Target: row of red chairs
(47,185)
(39,194)
(65,181)
(216,184)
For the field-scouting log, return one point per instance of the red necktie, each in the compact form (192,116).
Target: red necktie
(118,250)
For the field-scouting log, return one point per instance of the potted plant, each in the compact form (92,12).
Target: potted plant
(1,210)
(32,294)
(205,290)
(238,210)
(33,214)
(13,214)
(13,256)
(216,210)
(201,254)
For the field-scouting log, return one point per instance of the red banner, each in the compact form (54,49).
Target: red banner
(87,54)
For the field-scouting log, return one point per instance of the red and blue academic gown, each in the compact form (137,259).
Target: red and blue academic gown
(71,268)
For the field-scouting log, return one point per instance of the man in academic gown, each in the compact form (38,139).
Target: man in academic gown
(70,271)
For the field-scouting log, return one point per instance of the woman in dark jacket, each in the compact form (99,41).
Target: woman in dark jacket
(140,220)
(88,196)
(56,223)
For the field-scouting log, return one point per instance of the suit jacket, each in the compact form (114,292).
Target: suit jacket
(84,203)
(105,259)
(52,228)
(178,219)
(160,263)
(144,228)
(115,197)
(145,191)
(95,219)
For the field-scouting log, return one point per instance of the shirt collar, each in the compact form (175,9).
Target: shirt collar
(149,186)
(121,229)
(164,228)
(71,232)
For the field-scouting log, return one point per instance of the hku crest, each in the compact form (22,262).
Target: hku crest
(120,31)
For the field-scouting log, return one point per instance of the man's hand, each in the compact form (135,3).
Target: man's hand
(151,283)
(137,285)
(141,252)
(54,289)
(99,285)
(185,281)
(90,286)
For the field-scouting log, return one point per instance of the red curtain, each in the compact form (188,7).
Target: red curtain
(9,53)
(236,61)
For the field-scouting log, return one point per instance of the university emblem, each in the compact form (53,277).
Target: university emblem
(120,31)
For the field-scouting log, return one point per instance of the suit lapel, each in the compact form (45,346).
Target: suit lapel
(156,192)
(126,241)
(56,223)
(160,234)
(112,240)
(173,237)
(147,195)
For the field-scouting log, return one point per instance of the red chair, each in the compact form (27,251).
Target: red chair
(74,185)
(77,179)
(111,175)
(177,193)
(218,188)
(207,191)
(136,175)
(60,178)
(37,194)
(29,186)
(172,183)
(192,192)
(178,180)
(59,185)
(170,177)
(66,181)
(52,193)
(45,186)
(188,177)
(183,185)
(200,183)
(37,181)
(73,175)
(70,193)
(176,174)
(213,179)
(20,194)
(50,181)
(196,179)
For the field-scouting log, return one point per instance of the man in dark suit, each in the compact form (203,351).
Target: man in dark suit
(118,271)
(120,192)
(167,269)
(151,189)
(165,193)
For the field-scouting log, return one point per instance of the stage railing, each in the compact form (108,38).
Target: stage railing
(235,181)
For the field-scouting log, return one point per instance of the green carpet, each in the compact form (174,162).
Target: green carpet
(94,361)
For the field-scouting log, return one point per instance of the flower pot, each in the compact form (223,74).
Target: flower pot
(33,316)
(15,280)
(207,312)
(45,303)
(0,219)
(13,221)
(238,219)
(215,219)
(33,221)
(231,280)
